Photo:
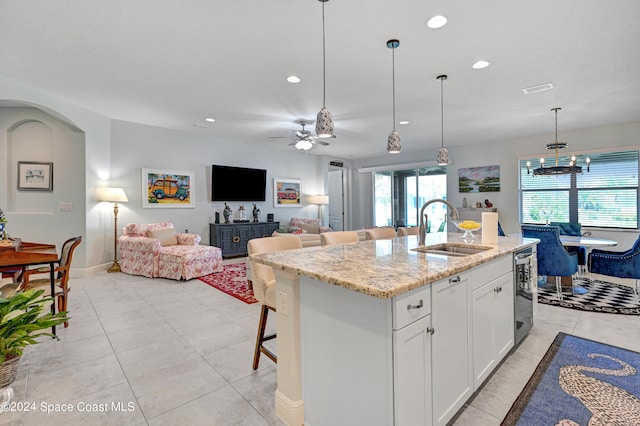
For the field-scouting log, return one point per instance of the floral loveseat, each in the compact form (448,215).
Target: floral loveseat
(157,250)
(308,230)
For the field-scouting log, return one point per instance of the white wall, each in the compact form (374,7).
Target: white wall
(97,139)
(506,154)
(136,146)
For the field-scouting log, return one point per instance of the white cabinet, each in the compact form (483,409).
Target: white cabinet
(412,373)
(452,378)
(493,337)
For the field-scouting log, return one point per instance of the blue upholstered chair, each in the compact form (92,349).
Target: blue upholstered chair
(574,229)
(618,264)
(500,231)
(553,258)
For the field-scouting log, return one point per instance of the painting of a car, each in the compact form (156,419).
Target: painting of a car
(169,188)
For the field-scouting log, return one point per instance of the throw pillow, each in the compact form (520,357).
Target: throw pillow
(312,228)
(167,237)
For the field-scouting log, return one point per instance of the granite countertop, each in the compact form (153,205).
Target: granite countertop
(386,268)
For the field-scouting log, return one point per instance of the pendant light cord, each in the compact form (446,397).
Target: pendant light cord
(393,78)
(324,61)
(442,111)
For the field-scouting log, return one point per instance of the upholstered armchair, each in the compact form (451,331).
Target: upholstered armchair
(553,258)
(157,250)
(574,229)
(618,264)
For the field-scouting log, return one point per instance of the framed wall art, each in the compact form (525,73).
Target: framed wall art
(286,192)
(34,176)
(479,179)
(167,189)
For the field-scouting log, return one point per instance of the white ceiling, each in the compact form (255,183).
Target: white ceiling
(173,63)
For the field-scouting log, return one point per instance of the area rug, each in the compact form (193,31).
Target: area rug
(580,382)
(601,297)
(232,281)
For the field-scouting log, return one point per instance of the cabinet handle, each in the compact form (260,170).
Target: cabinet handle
(431,330)
(497,289)
(418,306)
(455,280)
(235,239)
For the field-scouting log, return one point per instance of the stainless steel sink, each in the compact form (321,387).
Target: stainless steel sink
(452,249)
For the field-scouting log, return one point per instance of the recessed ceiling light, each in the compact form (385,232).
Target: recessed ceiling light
(403,122)
(293,79)
(538,88)
(210,120)
(437,21)
(480,64)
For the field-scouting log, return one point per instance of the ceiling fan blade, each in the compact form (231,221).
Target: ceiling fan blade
(321,142)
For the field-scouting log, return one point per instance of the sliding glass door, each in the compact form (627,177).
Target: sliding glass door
(399,195)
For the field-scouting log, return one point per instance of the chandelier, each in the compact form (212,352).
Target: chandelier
(557,169)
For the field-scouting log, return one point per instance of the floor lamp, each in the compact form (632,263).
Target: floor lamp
(319,200)
(115,196)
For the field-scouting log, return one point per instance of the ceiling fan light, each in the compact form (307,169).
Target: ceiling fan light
(443,157)
(393,143)
(324,124)
(303,145)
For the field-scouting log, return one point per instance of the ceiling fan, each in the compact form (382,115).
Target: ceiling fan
(304,139)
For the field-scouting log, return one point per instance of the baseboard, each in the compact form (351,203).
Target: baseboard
(88,272)
(290,412)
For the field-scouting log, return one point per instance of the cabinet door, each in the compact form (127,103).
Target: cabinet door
(452,376)
(258,230)
(484,354)
(243,233)
(492,324)
(504,316)
(412,373)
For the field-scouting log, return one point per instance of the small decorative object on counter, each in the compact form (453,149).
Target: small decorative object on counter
(477,205)
(226,213)
(488,203)
(464,203)
(242,214)
(256,213)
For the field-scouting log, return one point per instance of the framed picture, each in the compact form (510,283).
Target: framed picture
(33,176)
(479,179)
(286,192)
(167,189)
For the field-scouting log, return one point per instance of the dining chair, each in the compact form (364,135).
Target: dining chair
(574,229)
(412,230)
(61,288)
(339,237)
(553,258)
(264,287)
(381,233)
(618,264)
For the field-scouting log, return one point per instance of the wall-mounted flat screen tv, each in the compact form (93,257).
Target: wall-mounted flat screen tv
(237,183)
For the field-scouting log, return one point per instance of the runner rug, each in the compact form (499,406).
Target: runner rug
(600,297)
(580,382)
(232,281)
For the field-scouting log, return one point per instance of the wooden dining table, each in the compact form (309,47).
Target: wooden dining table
(25,254)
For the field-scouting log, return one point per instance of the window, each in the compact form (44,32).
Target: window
(605,197)
(399,195)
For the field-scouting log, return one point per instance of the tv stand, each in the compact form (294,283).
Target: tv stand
(232,238)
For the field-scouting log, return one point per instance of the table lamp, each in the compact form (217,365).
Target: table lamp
(115,196)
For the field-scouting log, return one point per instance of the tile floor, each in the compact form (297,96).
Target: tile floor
(159,352)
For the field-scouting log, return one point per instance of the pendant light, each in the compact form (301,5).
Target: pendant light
(443,153)
(557,169)
(324,120)
(393,142)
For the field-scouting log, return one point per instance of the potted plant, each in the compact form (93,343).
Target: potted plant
(22,321)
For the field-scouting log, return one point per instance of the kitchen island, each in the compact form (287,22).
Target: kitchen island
(380,333)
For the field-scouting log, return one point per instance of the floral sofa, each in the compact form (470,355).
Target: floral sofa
(157,250)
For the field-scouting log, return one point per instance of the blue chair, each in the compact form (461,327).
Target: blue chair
(553,258)
(574,229)
(618,264)
(500,231)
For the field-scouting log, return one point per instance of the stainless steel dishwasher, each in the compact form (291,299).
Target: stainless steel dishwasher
(523,283)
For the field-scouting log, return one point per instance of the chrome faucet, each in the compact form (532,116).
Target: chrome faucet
(424,219)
